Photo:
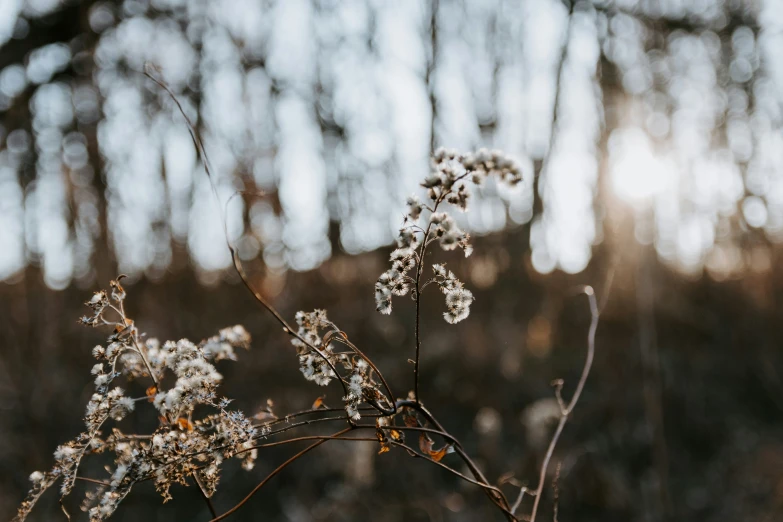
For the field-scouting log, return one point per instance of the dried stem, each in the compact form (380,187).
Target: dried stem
(419,267)
(594,315)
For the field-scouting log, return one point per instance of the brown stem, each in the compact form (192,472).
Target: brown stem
(93,481)
(419,268)
(418,288)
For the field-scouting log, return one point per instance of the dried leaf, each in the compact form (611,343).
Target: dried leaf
(395,435)
(410,420)
(380,433)
(123,332)
(319,402)
(264,415)
(425,445)
(184,424)
(439,454)
(151,391)
(117,291)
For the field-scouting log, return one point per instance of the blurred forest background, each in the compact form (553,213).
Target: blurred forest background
(650,134)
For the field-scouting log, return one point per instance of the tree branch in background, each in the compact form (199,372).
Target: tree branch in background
(565,412)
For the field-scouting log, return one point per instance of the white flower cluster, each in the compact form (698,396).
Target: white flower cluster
(450,236)
(97,303)
(316,362)
(396,280)
(130,469)
(181,446)
(319,363)
(458,298)
(222,345)
(171,455)
(358,382)
(451,166)
(446,184)
(113,404)
(197,379)
(235,433)
(361,387)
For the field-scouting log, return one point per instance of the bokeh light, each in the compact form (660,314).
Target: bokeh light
(332,108)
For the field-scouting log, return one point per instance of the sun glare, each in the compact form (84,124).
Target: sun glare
(638,174)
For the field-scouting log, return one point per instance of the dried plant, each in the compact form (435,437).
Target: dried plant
(197,431)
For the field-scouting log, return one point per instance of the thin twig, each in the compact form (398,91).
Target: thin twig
(445,435)
(419,267)
(93,481)
(311,411)
(522,491)
(556,491)
(594,315)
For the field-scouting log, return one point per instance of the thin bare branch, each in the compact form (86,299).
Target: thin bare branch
(594,315)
